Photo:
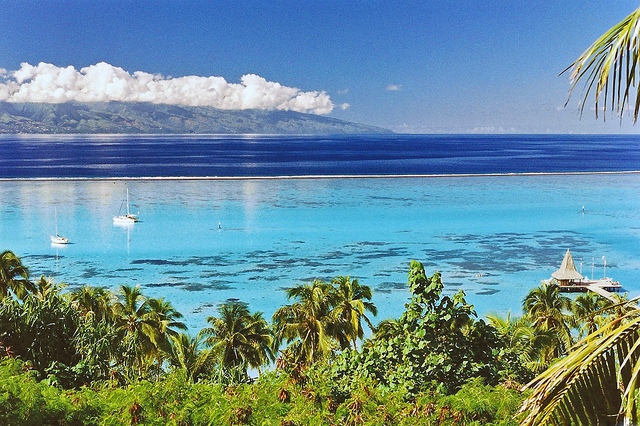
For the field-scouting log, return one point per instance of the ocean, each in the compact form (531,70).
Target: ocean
(494,222)
(135,156)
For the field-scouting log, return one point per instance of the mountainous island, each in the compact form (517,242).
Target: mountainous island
(140,117)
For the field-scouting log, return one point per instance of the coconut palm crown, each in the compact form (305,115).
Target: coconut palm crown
(609,68)
(308,324)
(352,301)
(14,277)
(238,338)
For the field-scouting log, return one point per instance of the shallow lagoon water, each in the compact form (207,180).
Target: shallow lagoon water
(495,237)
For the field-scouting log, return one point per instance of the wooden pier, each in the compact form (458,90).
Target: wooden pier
(604,292)
(602,287)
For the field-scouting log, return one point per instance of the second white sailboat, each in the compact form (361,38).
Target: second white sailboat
(126,219)
(57,239)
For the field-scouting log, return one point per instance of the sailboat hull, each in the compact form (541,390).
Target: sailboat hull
(59,240)
(125,219)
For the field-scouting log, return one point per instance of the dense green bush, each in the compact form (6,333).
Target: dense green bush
(436,342)
(41,330)
(26,401)
(274,399)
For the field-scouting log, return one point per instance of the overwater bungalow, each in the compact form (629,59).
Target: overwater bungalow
(568,278)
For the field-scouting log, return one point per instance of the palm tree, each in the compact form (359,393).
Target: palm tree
(14,277)
(308,324)
(351,303)
(610,67)
(238,338)
(388,329)
(588,310)
(621,306)
(596,383)
(167,316)
(138,327)
(46,287)
(530,343)
(97,302)
(186,354)
(547,309)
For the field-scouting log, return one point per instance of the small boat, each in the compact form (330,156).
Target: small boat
(57,239)
(126,219)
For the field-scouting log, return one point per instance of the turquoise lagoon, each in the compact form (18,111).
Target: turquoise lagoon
(203,242)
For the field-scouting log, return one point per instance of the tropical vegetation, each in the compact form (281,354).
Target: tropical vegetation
(437,342)
(90,356)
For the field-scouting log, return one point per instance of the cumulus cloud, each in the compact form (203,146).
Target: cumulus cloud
(102,82)
(394,87)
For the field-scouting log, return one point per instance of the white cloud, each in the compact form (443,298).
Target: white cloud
(492,129)
(394,87)
(343,92)
(47,83)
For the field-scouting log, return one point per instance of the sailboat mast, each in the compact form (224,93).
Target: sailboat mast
(56,214)
(127,201)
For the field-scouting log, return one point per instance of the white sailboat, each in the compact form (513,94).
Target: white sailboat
(57,239)
(126,219)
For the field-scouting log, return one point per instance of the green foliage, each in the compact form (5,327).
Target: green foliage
(14,277)
(274,399)
(440,344)
(25,401)
(238,338)
(90,357)
(97,344)
(479,404)
(41,331)
(609,68)
(549,311)
(325,316)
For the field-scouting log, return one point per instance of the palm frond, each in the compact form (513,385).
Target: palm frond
(611,61)
(584,386)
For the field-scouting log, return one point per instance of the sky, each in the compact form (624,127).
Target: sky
(442,66)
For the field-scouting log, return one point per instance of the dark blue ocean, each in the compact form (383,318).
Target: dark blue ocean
(102,156)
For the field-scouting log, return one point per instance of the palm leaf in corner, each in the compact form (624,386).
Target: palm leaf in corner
(610,67)
(596,383)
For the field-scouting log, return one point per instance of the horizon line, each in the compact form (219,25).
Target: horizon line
(310,177)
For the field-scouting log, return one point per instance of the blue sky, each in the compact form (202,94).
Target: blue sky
(416,66)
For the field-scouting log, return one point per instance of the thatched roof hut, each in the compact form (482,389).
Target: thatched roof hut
(567,271)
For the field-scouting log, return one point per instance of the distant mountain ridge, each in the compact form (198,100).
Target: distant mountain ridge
(141,117)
